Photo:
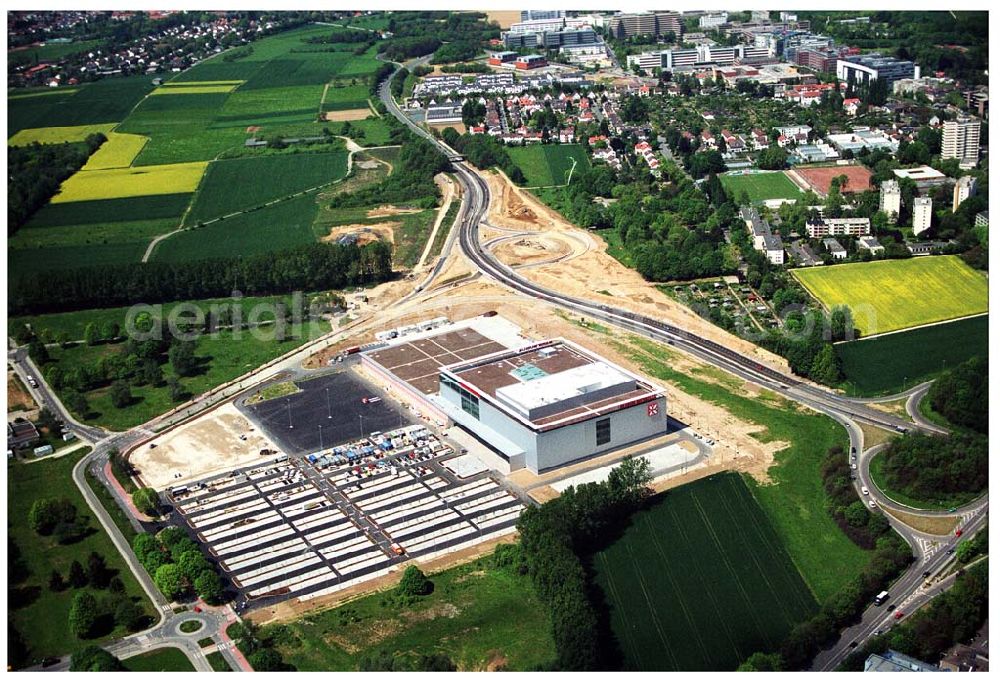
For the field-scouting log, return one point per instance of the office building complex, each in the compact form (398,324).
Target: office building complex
(646,23)
(864,68)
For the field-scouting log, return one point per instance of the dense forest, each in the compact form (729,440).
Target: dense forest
(962,395)
(35,172)
(450,36)
(937,468)
(316,266)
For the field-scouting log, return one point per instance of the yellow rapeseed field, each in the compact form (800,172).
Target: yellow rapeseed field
(889,295)
(198,87)
(148,180)
(197,83)
(58,135)
(118,152)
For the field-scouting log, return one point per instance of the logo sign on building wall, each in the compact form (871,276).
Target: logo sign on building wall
(653,409)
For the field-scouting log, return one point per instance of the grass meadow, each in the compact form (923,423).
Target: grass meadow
(890,295)
(221,356)
(549,164)
(159,660)
(480,617)
(700,580)
(39,614)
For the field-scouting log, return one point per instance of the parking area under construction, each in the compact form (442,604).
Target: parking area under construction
(417,362)
(304,527)
(324,412)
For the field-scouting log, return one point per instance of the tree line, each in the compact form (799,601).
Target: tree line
(315,266)
(35,172)
(484,152)
(555,539)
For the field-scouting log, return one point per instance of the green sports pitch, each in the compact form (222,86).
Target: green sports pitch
(890,295)
(760,186)
(700,581)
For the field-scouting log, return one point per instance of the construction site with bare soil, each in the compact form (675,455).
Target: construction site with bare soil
(698,438)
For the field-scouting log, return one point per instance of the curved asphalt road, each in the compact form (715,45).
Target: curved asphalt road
(930,556)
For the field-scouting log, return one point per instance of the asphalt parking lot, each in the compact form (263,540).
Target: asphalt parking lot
(308,526)
(328,411)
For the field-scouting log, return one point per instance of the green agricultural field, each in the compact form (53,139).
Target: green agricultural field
(794,499)
(102,101)
(233,185)
(39,614)
(889,295)
(761,187)
(30,260)
(549,164)
(223,358)
(478,616)
(283,225)
(167,659)
(88,235)
(111,210)
(73,325)
(342,95)
(889,363)
(281,96)
(731,591)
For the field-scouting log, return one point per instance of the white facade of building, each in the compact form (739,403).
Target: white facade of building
(889,200)
(713,20)
(922,213)
(965,188)
(960,139)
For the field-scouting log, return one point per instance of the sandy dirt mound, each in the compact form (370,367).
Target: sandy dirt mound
(390,210)
(597,276)
(18,398)
(347,114)
(209,444)
(531,250)
(366,233)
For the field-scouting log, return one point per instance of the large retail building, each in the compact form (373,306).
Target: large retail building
(536,405)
